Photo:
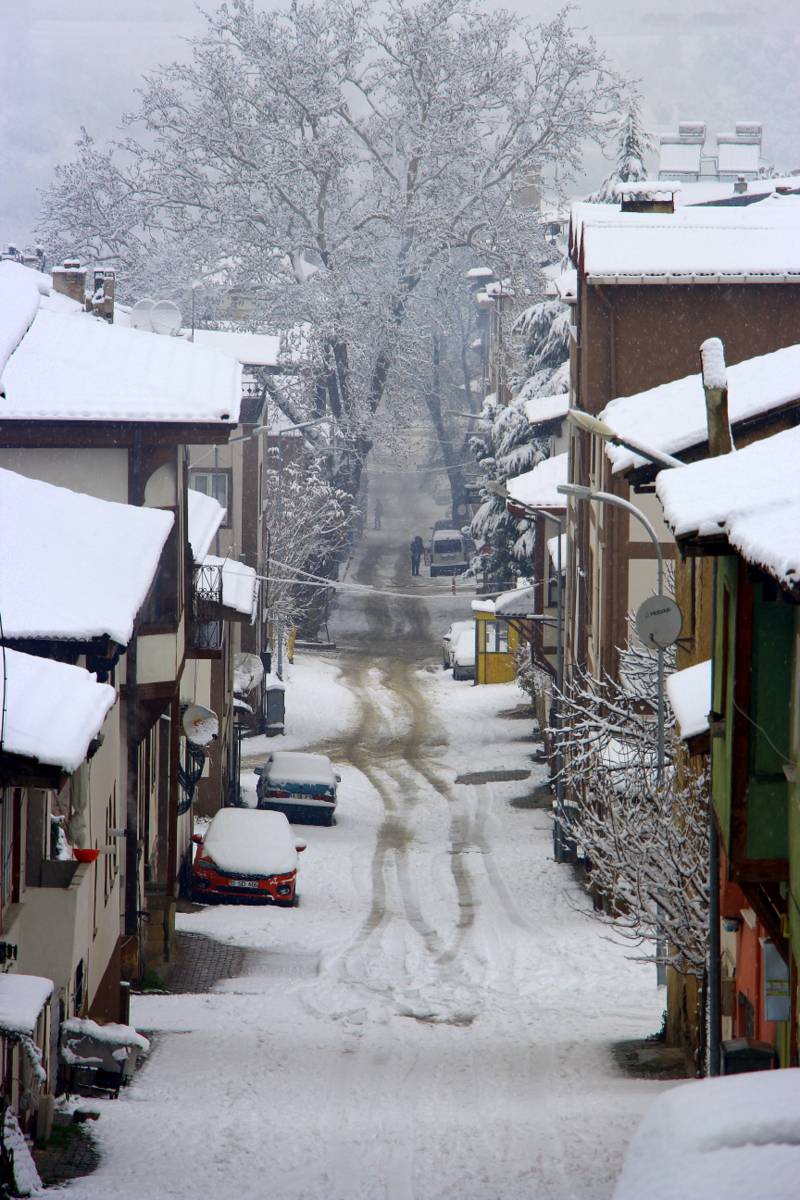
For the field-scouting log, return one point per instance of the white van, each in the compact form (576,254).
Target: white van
(448,552)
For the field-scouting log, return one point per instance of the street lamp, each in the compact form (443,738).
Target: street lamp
(594,425)
(578,492)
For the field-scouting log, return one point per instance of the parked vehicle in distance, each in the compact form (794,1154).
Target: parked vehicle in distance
(246,854)
(303,786)
(449,638)
(448,552)
(464,655)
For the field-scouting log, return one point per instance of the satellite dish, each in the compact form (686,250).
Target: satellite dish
(140,314)
(200,725)
(658,622)
(166,318)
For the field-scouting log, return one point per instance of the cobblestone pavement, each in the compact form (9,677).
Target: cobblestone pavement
(198,962)
(69,1154)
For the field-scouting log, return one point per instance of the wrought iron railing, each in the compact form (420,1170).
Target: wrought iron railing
(206,623)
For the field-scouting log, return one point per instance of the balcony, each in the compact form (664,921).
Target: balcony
(207,618)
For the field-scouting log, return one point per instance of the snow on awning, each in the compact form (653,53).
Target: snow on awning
(672,417)
(520,603)
(52,710)
(239,584)
(249,349)
(482,606)
(751,497)
(537,488)
(689,694)
(205,515)
(553,551)
(22,998)
(79,368)
(82,567)
(541,409)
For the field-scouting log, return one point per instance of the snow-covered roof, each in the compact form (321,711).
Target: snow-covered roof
(672,417)
(251,842)
(51,710)
(68,365)
(520,602)
(289,766)
(204,517)
(249,349)
(756,243)
(482,606)
(537,488)
(540,409)
(73,566)
(239,584)
(736,1136)
(22,998)
(689,694)
(751,496)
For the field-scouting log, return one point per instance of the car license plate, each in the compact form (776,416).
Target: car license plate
(247,883)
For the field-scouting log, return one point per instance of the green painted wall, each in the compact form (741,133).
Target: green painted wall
(767,792)
(724,650)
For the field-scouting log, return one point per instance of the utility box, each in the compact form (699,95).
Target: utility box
(740,1055)
(275,708)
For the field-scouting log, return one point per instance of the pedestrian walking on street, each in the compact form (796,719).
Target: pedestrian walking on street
(378,514)
(417,547)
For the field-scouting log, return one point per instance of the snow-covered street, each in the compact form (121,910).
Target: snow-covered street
(434,1019)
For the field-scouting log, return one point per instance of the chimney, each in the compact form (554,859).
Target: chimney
(103,294)
(70,280)
(715,386)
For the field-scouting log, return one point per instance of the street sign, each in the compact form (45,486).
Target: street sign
(658,622)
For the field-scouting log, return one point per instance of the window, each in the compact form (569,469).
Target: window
(110,855)
(9,846)
(496,637)
(215,483)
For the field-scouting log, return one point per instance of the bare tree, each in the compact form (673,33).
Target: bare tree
(645,837)
(330,158)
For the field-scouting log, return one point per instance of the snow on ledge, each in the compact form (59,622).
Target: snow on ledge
(689,694)
(239,584)
(22,998)
(204,517)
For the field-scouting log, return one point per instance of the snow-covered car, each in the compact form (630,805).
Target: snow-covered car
(303,786)
(246,854)
(449,638)
(736,1136)
(464,655)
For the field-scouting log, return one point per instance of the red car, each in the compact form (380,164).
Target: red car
(247,854)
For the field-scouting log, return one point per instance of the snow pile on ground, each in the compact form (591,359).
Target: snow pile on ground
(736,1136)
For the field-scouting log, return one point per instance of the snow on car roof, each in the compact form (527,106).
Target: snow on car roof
(52,710)
(251,842)
(66,366)
(689,694)
(751,496)
(538,487)
(291,765)
(100,561)
(672,417)
(736,1136)
(446,533)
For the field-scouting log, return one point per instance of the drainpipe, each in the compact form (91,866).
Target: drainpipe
(715,386)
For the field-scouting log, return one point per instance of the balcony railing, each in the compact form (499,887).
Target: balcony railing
(206,624)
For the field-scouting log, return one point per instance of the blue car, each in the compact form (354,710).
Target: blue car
(303,786)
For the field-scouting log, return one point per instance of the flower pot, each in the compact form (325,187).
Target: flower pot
(85,856)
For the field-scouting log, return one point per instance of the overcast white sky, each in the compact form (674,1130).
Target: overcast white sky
(67,63)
